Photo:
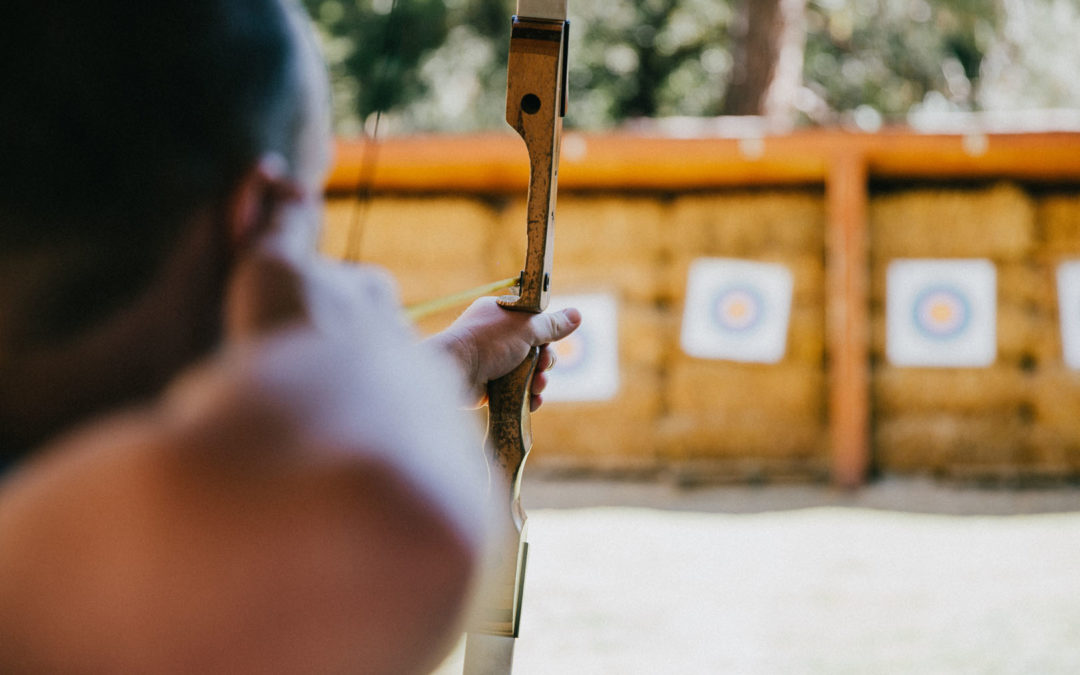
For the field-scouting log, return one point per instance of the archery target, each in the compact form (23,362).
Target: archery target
(587,365)
(1068,282)
(941,313)
(737,310)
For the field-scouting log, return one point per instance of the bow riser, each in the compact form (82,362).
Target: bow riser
(535,104)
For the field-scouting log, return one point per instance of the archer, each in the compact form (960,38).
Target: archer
(223,453)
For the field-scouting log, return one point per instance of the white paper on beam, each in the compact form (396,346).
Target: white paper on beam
(737,310)
(1068,282)
(587,368)
(941,313)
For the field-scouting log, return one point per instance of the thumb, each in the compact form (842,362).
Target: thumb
(555,326)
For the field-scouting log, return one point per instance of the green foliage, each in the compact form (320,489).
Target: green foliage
(374,48)
(440,65)
(890,55)
(433,65)
(647,58)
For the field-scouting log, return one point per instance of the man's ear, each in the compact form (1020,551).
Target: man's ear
(255,198)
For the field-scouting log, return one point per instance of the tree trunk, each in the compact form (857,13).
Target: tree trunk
(770,36)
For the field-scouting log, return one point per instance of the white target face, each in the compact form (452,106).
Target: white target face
(942,313)
(587,362)
(737,310)
(1068,281)
(573,352)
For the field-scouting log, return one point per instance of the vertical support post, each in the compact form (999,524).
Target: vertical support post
(847,318)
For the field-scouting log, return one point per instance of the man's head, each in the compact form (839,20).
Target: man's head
(120,121)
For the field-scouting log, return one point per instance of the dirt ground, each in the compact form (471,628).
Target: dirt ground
(900,577)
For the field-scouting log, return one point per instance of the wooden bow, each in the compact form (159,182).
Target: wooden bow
(535,105)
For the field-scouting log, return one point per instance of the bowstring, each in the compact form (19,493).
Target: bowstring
(365,182)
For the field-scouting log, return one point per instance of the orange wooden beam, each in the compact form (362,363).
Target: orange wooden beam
(497,162)
(847,314)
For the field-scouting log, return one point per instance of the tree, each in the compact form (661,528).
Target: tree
(374,48)
(770,36)
(890,57)
(440,65)
(648,58)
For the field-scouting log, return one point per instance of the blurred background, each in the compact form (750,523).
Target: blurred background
(823,413)
(789,151)
(440,65)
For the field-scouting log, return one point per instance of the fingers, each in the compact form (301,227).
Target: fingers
(540,379)
(547,359)
(539,383)
(555,326)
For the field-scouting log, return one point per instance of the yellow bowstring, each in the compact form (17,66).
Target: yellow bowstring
(429,307)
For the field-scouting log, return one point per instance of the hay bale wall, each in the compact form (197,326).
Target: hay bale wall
(703,419)
(1013,421)
(672,412)
(743,421)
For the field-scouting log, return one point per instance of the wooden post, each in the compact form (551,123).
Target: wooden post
(847,316)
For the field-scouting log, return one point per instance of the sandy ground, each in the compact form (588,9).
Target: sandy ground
(902,577)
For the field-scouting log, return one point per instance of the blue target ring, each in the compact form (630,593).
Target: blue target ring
(738,309)
(941,313)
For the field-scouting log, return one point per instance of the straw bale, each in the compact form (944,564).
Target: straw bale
(901,391)
(1055,449)
(600,243)
(1055,399)
(1059,218)
(422,231)
(621,227)
(1022,335)
(406,233)
(806,336)
(592,431)
(713,389)
(1029,285)
(756,435)
(997,222)
(1045,342)
(337,222)
(878,332)
(935,442)
(592,230)
(809,276)
(634,282)
(878,282)
(748,224)
(695,471)
(643,334)
(624,426)
(432,246)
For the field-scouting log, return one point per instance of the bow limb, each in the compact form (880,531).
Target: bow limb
(535,105)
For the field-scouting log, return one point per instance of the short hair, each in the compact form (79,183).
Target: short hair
(119,119)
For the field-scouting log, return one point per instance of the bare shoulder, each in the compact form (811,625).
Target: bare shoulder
(278,510)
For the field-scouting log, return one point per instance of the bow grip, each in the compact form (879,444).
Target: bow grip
(509,439)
